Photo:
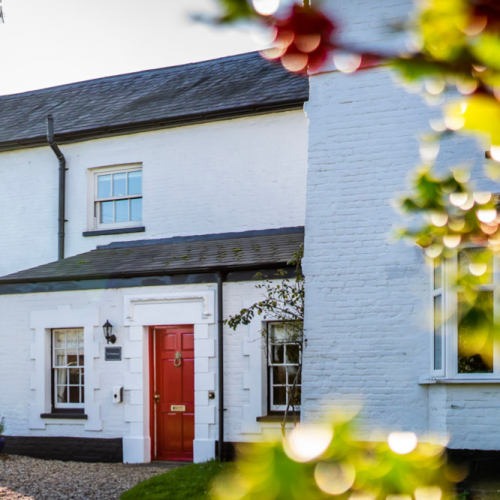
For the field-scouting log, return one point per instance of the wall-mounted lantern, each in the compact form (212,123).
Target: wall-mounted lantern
(108,328)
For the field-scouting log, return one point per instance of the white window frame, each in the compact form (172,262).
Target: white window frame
(95,203)
(272,407)
(449,269)
(55,368)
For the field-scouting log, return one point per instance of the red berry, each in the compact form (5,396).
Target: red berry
(487,13)
(303,39)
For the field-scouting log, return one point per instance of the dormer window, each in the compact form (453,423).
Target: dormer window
(118,197)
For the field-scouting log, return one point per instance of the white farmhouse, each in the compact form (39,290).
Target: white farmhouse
(126,241)
(181,184)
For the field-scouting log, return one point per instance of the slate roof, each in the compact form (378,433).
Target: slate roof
(235,253)
(218,89)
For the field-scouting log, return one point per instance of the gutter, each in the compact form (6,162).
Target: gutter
(220,347)
(61,219)
(163,123)
(145,274)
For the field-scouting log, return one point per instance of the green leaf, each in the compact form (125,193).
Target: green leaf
(417,68)
(235,10)
(487,50)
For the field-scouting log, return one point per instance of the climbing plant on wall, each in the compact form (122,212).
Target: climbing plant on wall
(283,301)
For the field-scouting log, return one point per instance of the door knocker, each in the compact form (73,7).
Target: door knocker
(177,358)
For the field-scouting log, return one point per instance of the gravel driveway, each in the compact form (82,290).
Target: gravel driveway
(24,478)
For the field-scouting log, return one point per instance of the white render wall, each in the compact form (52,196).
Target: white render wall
(367,299)
(228,176)
(244,367)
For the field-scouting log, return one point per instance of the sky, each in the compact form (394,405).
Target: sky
(52,42)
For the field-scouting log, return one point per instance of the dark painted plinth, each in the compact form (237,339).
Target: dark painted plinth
(229,451)
(483,465)
(66,448)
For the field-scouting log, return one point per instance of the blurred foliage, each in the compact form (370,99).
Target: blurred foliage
(327,461)
(452,212)
(234,10)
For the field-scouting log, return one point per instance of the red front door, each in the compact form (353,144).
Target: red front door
(172,396)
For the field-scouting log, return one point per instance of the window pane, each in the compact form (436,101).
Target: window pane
(61,376)
(81,360)
(136,209)
(74,376)
(438,276)
(475,334)
(74,394)
(119,184)
(478,262)
(82,394)
(292,374)
(294,331)
(62,394)
(59,339)
(103,186)
(277,332)
(80,339)
(72,339)
(293,354)
(72,358)
(279,395)
(59,357)
(279,375)
(296,396)
(121,211)
(277,354)
(106,212)
(438,333)
(135,182)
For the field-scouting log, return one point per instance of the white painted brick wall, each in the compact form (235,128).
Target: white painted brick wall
(233,175)
(367,299)
(17,370)
(238,296)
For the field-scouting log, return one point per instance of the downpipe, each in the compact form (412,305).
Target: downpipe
(61,218)
(220,346)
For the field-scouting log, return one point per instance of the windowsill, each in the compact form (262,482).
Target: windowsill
(459,381)
(276,418)
(69,414)
(121,230)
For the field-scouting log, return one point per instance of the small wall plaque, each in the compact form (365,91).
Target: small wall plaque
(112,353)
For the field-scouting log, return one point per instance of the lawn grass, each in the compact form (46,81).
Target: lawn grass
(189,482)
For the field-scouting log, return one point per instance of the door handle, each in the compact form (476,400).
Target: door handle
(177,358)
(156,398)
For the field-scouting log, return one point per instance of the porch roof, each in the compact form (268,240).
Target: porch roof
(236,251)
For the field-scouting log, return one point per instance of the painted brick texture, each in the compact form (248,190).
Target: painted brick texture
(17,369)
(367,299)
(233,175)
